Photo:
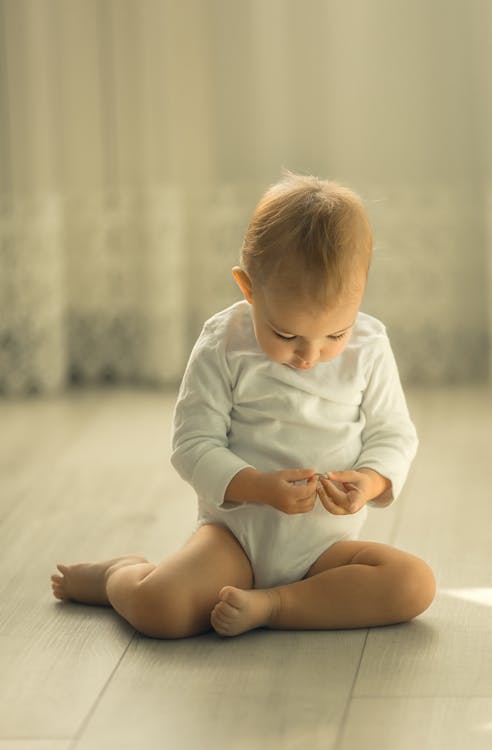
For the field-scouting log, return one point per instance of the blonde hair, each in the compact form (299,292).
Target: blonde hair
(313,235)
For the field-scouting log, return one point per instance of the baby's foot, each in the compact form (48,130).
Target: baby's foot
(86,582)
(239,610)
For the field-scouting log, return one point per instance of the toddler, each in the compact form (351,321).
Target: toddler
(290,419)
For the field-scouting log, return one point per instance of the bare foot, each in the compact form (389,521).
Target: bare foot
(86,582)
(239,610)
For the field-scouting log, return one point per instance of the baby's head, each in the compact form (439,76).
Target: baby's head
(304,264)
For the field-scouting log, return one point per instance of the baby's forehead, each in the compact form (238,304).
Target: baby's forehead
(294,297)
(287,312)
(292,286)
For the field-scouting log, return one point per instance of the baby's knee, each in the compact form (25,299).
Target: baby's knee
(162,612)
(417,588)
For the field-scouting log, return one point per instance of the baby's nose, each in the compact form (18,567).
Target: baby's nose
(308,353)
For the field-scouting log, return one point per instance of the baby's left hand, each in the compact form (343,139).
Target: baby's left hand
(349,495)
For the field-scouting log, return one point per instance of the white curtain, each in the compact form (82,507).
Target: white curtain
(137,135)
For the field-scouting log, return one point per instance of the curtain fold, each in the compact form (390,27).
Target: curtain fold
(136,138)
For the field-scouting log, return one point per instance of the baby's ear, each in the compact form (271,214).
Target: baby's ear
(244,282)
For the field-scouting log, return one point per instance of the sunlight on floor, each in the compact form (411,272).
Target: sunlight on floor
(476,596)
(484,727)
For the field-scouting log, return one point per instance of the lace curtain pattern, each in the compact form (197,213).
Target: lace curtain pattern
(136,138)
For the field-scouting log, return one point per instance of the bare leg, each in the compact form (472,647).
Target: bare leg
(171,600)
(86,582)
(352,585)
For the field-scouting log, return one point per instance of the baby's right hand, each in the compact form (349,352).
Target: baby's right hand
(277,488)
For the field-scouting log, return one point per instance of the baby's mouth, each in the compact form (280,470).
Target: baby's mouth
(299,367)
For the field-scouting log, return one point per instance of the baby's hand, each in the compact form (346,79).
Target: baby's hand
(290,491)
(344,492)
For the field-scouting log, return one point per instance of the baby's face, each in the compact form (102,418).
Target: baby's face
(294,335)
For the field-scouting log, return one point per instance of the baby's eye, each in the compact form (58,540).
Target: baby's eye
(338,336)
(284,338)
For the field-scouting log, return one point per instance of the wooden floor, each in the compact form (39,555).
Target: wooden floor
(88,476)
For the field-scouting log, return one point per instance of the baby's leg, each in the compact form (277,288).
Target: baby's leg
(171,600)
(86,582)
(351,585)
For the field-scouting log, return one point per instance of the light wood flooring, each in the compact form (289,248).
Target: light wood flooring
(87,476)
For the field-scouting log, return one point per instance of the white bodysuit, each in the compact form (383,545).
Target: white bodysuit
(236,408)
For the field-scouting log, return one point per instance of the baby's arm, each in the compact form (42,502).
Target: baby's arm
(389,438)
(389,443)
(275,488)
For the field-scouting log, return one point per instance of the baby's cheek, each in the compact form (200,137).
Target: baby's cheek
(333,351)
(278,352)
(284,352)
(272,352)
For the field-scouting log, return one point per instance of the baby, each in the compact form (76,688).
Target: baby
(290,419)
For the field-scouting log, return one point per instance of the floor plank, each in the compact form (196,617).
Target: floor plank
(442,654)
(424,723)
(261,691)
(53,671)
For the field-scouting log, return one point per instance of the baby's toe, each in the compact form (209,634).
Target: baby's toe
(58,587)
(226,611)
(216,619)
(220,624)
(58,593)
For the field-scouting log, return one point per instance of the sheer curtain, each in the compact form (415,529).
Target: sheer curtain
(136,138)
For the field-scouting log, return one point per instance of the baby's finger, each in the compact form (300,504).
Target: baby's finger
(305,506)
(343,476)
(297,476)
(353,502)
(302,490)
(328,503)
(344,500)
(293,507)
(349,486)
(332,491)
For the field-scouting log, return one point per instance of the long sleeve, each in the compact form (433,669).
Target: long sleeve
(237,409)
(389,438)
(202,421)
